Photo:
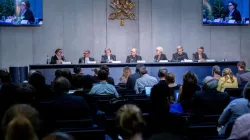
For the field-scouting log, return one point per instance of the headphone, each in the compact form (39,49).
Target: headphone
(107,49)
(160,74)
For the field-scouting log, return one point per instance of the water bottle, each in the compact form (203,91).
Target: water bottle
(47,59)
(225,57)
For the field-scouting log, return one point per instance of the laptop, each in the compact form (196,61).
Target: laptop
(148,91)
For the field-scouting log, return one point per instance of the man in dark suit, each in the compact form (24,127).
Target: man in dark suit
(85,59)
(179,55)
(200,55)
(159,55)
(108,57)
(132,78)
(133,58)
(57,58)
(26,13)
(209,100)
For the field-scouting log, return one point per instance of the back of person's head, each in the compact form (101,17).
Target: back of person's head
(190,84)
(77,69)
(126,72)
(143,70)
(138,66)
(242,65)
(5,77)
(67,74)
(129,121)
(228,74)
(58,73)
(62,85)
(160,98)
(162,72)
(21,110)
(78,81)
(37,80)
(209,83)
(96,70)
(20,128)
(246,91)
(104,67)
(216,70)
(25,93)
(58,136)
(190,78)
(170,77)
(103,75)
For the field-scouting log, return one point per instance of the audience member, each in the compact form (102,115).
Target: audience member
(43,91)
(132,78)
(162,73)
(209,100)
(216,72)
(65,106)
(95,76)
(67,74)
(162,120)
(145,81)
(126,73)
(170,77)
(58,73)
(78,82)
(25,94)
(21,110)
(235,109)
(104,88)
(243,76)
(110,80)
(77,70)
(241,128)
(187,90)
(130,122)
(228,80)
(20,128)
(58,136)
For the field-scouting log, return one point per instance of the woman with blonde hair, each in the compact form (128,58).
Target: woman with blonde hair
(228,80)
(126,73)
(130,122)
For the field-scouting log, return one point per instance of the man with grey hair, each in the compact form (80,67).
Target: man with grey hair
(209,100)
(145,81)
(86,59)
(133,58)
(159,55)
(216,72)
(179,55)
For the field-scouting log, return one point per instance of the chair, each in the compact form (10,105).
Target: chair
(234,92)
(87,123)
(81,134)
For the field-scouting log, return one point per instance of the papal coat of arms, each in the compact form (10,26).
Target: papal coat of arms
(122,10)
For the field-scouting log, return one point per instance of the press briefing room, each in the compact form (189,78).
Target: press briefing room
(124,69)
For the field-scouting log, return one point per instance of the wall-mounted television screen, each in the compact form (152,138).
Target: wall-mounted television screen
(225,12)
(21,12)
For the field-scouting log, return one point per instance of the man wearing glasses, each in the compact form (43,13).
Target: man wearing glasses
(58,58)
(86,59)
(133,58)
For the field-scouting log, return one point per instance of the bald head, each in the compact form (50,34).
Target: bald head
(210,83)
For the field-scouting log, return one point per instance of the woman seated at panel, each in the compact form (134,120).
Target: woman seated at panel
(233,13)
(187,90)
(228,80)
(126,73)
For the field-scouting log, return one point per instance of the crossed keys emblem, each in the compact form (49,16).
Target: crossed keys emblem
(122,10)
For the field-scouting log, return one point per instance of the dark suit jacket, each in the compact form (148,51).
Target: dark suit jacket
(210,102)
(131,59)
(235,16)
(132,79)
(28,15)
(196,56)
(177,57)
(54,59)
(105,58)
(162,57)
(82,60)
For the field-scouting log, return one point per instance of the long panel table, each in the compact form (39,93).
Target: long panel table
(202,69)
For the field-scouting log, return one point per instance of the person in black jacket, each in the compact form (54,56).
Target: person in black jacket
(179,55)
(200,55)
(132,78)
(159,55)
(85,59)
(233,13)
(133,58)
(108,57)
(26,13)
(58,58)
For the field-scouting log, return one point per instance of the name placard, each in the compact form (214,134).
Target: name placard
(116,62)
(141,61)
(66,63)
(163,61)
(92,62)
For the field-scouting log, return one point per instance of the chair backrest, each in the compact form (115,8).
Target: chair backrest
(234,92)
